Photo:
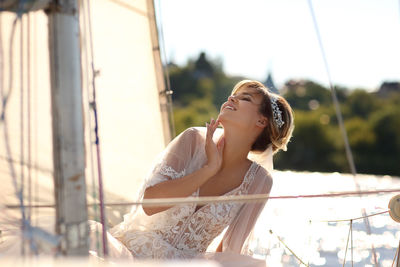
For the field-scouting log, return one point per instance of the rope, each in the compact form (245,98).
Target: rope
(334,96)
(358,218)
(168,91)
(351,238)
(222,199)
(22,120)
(97,142)
(92,172)
(5,96)
(35,108)
(291,251)
(34,166)
(338,111)
(397,257)
(347,243)
(29,114)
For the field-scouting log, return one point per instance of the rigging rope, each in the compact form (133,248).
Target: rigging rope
(32,166)
(358,218)
(224,199)
(347,244)
(5,96)
(92,172)
(168,92)
(22,119)
(12,170)
(397,256)
(286,246)
(35,167)
(338,111)
(97,142)
(28,88)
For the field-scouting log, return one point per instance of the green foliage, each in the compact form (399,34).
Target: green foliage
(361,103)
(312,141)
(196,114)
(372,122)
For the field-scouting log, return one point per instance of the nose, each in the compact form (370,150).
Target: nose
(232,98)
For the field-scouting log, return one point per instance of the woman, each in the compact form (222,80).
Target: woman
(202,162)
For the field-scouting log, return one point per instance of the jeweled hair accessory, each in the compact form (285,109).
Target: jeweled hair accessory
(276,112)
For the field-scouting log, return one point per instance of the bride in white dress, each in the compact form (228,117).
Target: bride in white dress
(209,162)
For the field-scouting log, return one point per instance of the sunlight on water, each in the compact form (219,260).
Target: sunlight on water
(301,223)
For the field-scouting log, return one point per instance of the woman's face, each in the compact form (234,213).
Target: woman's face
(242,108)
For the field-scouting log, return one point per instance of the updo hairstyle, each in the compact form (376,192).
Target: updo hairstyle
(273,135)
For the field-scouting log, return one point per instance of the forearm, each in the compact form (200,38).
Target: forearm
(180,187)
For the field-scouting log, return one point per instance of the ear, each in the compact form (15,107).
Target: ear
(262,122)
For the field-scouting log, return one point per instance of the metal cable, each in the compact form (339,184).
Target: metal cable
(90,132)
(97,142)
(349,154)
(224,199)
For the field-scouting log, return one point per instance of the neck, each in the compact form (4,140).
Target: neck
(236,148)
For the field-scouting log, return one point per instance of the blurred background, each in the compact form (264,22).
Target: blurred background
(201,50)
(211,45)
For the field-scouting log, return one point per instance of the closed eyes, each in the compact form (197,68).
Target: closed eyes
(245,97)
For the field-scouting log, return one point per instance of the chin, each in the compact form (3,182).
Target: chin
(222,118)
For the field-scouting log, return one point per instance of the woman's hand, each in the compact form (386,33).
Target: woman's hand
(213,151)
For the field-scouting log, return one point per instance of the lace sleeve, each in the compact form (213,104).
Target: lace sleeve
(175,159)
(239,230)
(163,172)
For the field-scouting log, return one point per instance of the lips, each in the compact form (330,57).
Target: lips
(230,107)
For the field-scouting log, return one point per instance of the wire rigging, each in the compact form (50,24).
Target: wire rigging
(223,199)
(164,59)
(12,170)
(29,113)
(347,244)
(90,132)
(97,142)
(287,247)
(349,154)
(21,73)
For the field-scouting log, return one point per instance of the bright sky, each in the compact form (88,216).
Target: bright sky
(361,38)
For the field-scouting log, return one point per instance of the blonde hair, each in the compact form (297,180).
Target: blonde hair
(278,137)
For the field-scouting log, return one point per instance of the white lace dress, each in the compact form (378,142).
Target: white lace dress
(181,231)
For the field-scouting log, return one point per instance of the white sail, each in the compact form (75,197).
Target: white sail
(132,111)
(131,120)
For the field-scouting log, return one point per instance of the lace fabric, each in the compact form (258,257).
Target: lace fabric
(182,231)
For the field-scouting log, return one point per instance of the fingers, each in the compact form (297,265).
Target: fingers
(213,125)
(220,145)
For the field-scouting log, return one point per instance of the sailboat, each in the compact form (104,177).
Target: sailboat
(84,100)
(85,111)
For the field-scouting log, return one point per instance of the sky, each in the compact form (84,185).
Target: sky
(361,38)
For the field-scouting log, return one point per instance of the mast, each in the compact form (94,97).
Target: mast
(67,119)
(67,123)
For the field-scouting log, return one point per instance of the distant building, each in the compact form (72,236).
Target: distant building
(387,88)
(269,83)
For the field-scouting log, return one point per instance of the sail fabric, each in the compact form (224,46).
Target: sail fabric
(132,114)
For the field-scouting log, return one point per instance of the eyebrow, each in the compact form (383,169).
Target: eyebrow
(245,93)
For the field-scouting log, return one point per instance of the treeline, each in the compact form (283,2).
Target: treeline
(372,120)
